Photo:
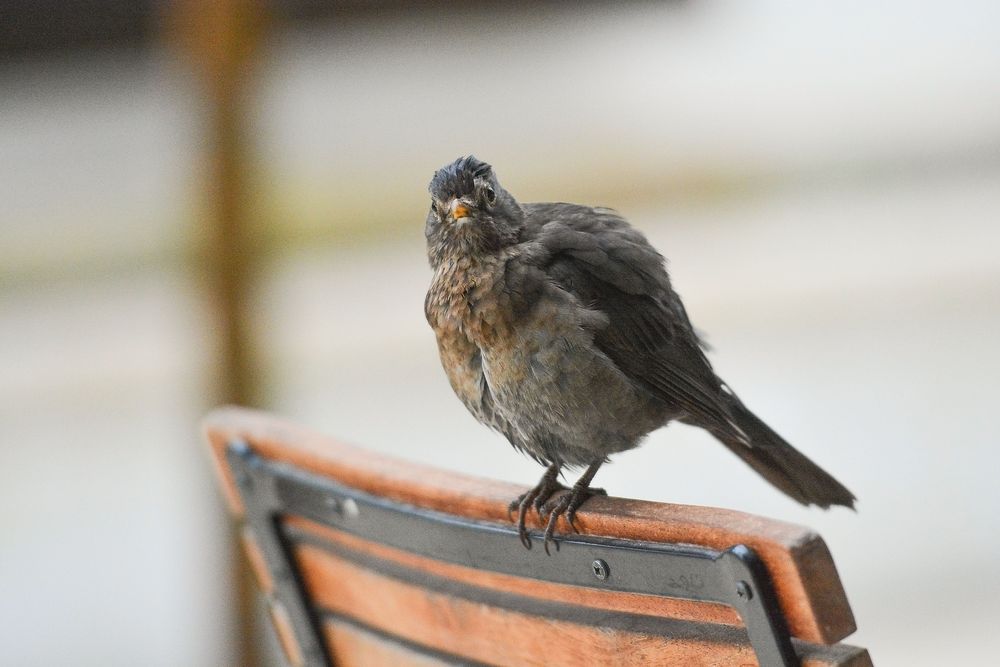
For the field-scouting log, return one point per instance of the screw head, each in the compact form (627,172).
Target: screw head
(350,508)
(744,592)
(240,447)
(601,569)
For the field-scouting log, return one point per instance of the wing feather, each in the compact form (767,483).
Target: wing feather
(610,267)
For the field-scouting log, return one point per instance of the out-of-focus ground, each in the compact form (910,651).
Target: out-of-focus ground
(825,183)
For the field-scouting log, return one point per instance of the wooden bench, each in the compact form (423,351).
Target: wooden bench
(371,560)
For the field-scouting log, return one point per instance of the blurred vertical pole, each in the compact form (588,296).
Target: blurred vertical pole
(223,37)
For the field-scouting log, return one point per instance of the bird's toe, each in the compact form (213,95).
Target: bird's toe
(545,496)
(558,509)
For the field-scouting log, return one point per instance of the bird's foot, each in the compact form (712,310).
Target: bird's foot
(535,497)
(566,505)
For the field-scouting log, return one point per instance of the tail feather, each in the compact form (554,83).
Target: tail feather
(780,463)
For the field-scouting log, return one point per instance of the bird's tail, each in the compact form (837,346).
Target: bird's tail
(779,463)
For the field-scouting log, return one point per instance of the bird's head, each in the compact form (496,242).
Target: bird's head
(471,214)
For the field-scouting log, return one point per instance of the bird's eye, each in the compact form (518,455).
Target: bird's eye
(434,210)
(490,194)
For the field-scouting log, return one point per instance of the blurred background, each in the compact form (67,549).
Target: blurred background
(224,201)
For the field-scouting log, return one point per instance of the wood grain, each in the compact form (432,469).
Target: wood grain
(351,645)
(476,630)
(485,633)
(286,633)
(256,559)
(806,581)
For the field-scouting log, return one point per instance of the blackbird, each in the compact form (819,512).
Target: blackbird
(557,326)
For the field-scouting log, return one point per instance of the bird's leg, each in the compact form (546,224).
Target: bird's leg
(538,495)
(568,503)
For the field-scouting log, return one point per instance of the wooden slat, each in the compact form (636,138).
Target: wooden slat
(485,633)
(286,634)
(256,559)
(351,645)
(476,629)
(806,581)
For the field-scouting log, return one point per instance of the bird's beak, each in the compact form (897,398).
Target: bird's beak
(458,209)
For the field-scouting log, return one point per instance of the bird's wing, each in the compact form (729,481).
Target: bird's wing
(610,267)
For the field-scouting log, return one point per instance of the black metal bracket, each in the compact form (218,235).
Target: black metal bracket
(735,577)
(257,482)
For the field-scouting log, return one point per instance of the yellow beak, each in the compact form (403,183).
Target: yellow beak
(458,210)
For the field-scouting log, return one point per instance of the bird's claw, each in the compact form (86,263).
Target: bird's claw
(535,497)
(541,499)
(521,503)
(515,504)
(559,508)
(566,505)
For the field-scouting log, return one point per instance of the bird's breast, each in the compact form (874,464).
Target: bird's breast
(468,295)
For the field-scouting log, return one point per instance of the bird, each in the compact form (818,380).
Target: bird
(557,325)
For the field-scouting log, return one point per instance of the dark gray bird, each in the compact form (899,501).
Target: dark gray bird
(558,327)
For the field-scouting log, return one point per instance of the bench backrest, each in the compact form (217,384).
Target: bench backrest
(371,560)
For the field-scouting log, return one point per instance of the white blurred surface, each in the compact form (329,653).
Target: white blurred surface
(621,100)
(112,551)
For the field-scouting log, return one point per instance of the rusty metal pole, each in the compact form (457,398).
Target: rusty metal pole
(223,38)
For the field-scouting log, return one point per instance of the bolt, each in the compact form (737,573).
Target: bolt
(240,447)
(350,508)
(743,591)
(601,570)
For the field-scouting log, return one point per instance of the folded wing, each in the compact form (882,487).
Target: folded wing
(611,267)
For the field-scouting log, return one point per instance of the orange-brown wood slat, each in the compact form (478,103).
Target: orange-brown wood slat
(286,633)
(257,562)
(477,630)
(485,633)
(353,646)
